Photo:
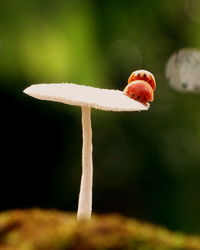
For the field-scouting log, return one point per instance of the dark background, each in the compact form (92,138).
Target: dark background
(146,164)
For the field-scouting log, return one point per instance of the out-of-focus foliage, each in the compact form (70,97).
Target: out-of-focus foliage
(147,164)
(49,41)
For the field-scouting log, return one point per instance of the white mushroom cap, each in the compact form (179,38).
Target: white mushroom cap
(79,95)
(183,70)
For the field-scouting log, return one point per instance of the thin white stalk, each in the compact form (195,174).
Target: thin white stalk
(85,195)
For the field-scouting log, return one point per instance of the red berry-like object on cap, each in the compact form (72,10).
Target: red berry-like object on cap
(143,75)
(140,90)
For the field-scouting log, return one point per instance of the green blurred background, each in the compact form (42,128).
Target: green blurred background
(146,164)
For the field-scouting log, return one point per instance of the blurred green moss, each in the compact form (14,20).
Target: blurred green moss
(49,229)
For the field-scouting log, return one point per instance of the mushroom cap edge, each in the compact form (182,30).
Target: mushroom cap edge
(81,95)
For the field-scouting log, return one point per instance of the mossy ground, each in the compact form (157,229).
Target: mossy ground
(36,229)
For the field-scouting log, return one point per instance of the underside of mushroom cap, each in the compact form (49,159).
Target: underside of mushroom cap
(80,95)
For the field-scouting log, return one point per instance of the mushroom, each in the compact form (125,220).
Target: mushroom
(183,70)
(87,97)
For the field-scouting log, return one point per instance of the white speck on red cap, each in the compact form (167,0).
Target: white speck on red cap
(80,95)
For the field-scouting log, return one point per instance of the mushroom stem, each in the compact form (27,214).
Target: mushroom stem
(85,195)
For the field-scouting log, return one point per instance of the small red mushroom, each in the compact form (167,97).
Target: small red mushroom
(139,90)
(141,86)
(143,75)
